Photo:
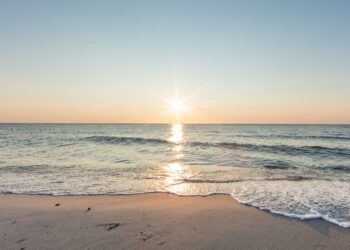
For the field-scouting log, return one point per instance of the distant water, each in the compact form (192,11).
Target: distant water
(294,170)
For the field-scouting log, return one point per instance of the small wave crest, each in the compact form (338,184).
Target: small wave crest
(299,137)
(124,140)
(340,168)
(288,178)
(284,149)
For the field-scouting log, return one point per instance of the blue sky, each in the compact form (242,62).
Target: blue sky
(115,61)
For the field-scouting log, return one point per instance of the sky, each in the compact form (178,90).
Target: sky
(117,61)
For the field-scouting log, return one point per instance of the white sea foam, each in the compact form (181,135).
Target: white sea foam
(328,200)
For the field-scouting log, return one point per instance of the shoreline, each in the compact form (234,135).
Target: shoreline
(275,213)
(155,220)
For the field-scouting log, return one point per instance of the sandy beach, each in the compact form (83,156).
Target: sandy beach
(174,125)
(155,221)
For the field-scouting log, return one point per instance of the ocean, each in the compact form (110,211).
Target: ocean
(300,171)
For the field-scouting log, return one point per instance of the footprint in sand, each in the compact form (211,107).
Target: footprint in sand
(162,243)
(109,226)
(145,237)
(21,240)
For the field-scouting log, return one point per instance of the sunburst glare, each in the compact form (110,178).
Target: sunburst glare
(176,105)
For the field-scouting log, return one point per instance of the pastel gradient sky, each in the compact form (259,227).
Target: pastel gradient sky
(116,61)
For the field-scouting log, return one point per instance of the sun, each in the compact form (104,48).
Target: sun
(176,105)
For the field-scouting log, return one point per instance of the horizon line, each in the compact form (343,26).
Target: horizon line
(156,123)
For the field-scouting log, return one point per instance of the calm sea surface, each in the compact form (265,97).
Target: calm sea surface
(294,170)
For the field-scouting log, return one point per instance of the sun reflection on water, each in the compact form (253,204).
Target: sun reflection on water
(176,134)
(175,168)
(176,172)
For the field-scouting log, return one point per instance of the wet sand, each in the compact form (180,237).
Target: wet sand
(155,221)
